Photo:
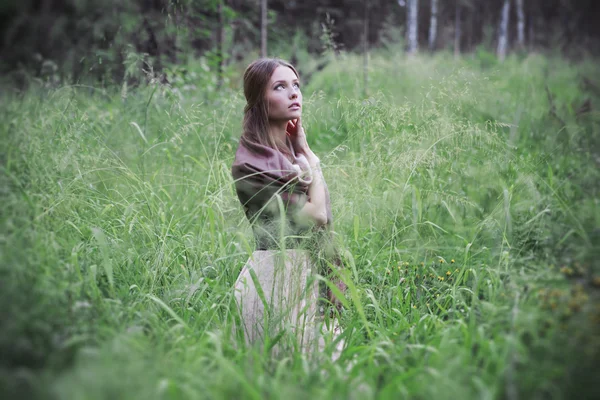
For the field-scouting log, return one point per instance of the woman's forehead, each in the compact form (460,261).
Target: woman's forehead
(283,73)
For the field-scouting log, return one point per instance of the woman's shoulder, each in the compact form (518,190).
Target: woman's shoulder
(249,160)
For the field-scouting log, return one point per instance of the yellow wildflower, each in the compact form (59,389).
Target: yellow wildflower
(567,271)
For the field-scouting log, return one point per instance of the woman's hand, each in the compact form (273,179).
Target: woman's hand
(297,135)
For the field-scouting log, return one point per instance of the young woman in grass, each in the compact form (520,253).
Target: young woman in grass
(279,182)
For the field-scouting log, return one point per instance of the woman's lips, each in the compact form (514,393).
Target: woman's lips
(295,106)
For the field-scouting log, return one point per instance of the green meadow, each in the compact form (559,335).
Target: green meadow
(465,200)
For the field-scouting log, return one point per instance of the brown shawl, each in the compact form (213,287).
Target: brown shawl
(260,173)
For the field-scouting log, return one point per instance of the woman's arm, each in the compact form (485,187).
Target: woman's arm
(315,209)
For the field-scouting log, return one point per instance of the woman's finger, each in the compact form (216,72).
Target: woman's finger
(299,127)
(290,129)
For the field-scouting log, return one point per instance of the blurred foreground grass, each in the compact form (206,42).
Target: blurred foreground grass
(465,197)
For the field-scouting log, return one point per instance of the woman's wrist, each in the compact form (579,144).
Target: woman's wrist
(312,158)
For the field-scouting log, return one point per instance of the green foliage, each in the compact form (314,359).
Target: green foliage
(485,57)
(391,35)
(467,213)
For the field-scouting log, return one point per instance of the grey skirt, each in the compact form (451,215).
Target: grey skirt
(277,296)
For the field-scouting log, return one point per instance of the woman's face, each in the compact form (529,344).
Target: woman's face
(283,95)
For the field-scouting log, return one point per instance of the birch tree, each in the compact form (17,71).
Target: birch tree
(503,31)
(263,28)
(411,24)
(433,24)
(520,24)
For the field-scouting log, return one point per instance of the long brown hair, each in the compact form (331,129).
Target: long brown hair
(256,114)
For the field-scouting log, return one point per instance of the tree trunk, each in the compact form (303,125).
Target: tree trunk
(457,29)
(411,23)
(503,31)
(366,49)
(520,25)
(220,36)
(263,28)
(531,38)
(433,24)
(471,25)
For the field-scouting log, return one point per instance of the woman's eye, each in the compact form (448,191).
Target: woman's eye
(278,86)
(297,85)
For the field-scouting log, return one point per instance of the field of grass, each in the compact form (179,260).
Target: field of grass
(465,199)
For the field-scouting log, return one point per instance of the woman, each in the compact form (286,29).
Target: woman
(281,187)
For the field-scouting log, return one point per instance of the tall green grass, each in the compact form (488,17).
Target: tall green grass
(465,202)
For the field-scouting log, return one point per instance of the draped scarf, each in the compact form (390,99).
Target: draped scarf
(260,172)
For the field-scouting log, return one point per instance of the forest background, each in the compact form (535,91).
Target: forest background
(460,143)
(107,40)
